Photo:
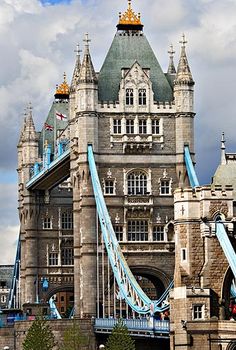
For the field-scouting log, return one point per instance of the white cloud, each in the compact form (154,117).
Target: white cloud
(9,237)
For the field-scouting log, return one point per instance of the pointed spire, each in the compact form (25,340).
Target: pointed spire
(74,81)
(223,155)
(28,130)
(184,75)
(87,73)
(171,68)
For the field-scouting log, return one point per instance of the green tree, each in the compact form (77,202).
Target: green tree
(39,336)
(120,338)
(73,338)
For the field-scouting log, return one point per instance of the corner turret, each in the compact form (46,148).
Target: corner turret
(87,83)
(183,84)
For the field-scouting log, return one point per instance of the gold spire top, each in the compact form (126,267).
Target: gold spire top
(129,17)
(63,88)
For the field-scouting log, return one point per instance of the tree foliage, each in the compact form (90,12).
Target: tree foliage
(39,336)
(120,338)
(73,338)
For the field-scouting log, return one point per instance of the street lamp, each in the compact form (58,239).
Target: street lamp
(6,348)
(101,347)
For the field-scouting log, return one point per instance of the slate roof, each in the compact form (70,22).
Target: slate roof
(125,49)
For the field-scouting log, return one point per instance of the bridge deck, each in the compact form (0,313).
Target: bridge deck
(138,327)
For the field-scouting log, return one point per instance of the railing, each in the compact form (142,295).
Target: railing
(139,325)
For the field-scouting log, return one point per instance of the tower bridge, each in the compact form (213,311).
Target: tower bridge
(110,207)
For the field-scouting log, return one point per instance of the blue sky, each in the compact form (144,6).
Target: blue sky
(32,65)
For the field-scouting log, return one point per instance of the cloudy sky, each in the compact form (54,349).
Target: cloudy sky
(37,43)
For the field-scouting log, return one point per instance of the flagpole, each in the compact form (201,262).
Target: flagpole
(55,134)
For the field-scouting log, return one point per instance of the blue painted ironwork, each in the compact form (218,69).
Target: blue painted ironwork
(233,288)
(15,277)
(226,246)
(145,325)
(190,168)
(128,286)
(53,310)
(46,169)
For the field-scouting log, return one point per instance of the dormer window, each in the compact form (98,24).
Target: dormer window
(142,97)
(129,97)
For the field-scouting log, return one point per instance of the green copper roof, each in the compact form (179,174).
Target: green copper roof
(125,49)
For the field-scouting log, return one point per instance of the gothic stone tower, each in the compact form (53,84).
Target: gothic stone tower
(138,120)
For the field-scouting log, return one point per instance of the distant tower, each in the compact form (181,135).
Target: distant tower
(184,102)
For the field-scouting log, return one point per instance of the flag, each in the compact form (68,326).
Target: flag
(48,127)
(61,116)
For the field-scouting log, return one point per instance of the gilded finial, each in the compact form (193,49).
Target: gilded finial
(63,88)
(78,51)
(129,17)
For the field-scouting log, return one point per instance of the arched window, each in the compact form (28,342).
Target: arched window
(142,97)
(129,97)
(137,183)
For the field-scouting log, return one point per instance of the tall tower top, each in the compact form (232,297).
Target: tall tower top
(87,73)
(184,75)
(129,20)
(75,76)
(63,90)
(171,68)
(223,155)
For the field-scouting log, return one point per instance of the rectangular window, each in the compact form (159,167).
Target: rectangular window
(67,256)
(142,126)
(119,232)
(109,187)
(47,223)
(53,259)
(67,221)
(117,126)
(158,233)
(198,312)
(129,126)
(165,187)
(129,97)
(155,126)
(183,254)
(138,230)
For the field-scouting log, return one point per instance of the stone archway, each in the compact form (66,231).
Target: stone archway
(226,292)
(231,345)
(64,299)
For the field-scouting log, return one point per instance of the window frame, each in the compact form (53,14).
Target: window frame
(137,230)
(142,126)
(117,126)
(156,127)
(129,97)
(53,257)
(67,259)
(164,187)
(119,231)
(142,97)
(67,220)
(160,232)
(129,127)
(47,223)
(198,312)
(138,184)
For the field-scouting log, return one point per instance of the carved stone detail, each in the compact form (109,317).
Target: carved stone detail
(218,207)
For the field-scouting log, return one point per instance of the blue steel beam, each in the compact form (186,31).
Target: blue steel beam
(190,168)
(226,246)
(15,277)
(128,286)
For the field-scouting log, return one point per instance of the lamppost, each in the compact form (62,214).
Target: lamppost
(6,348)
(101,347)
